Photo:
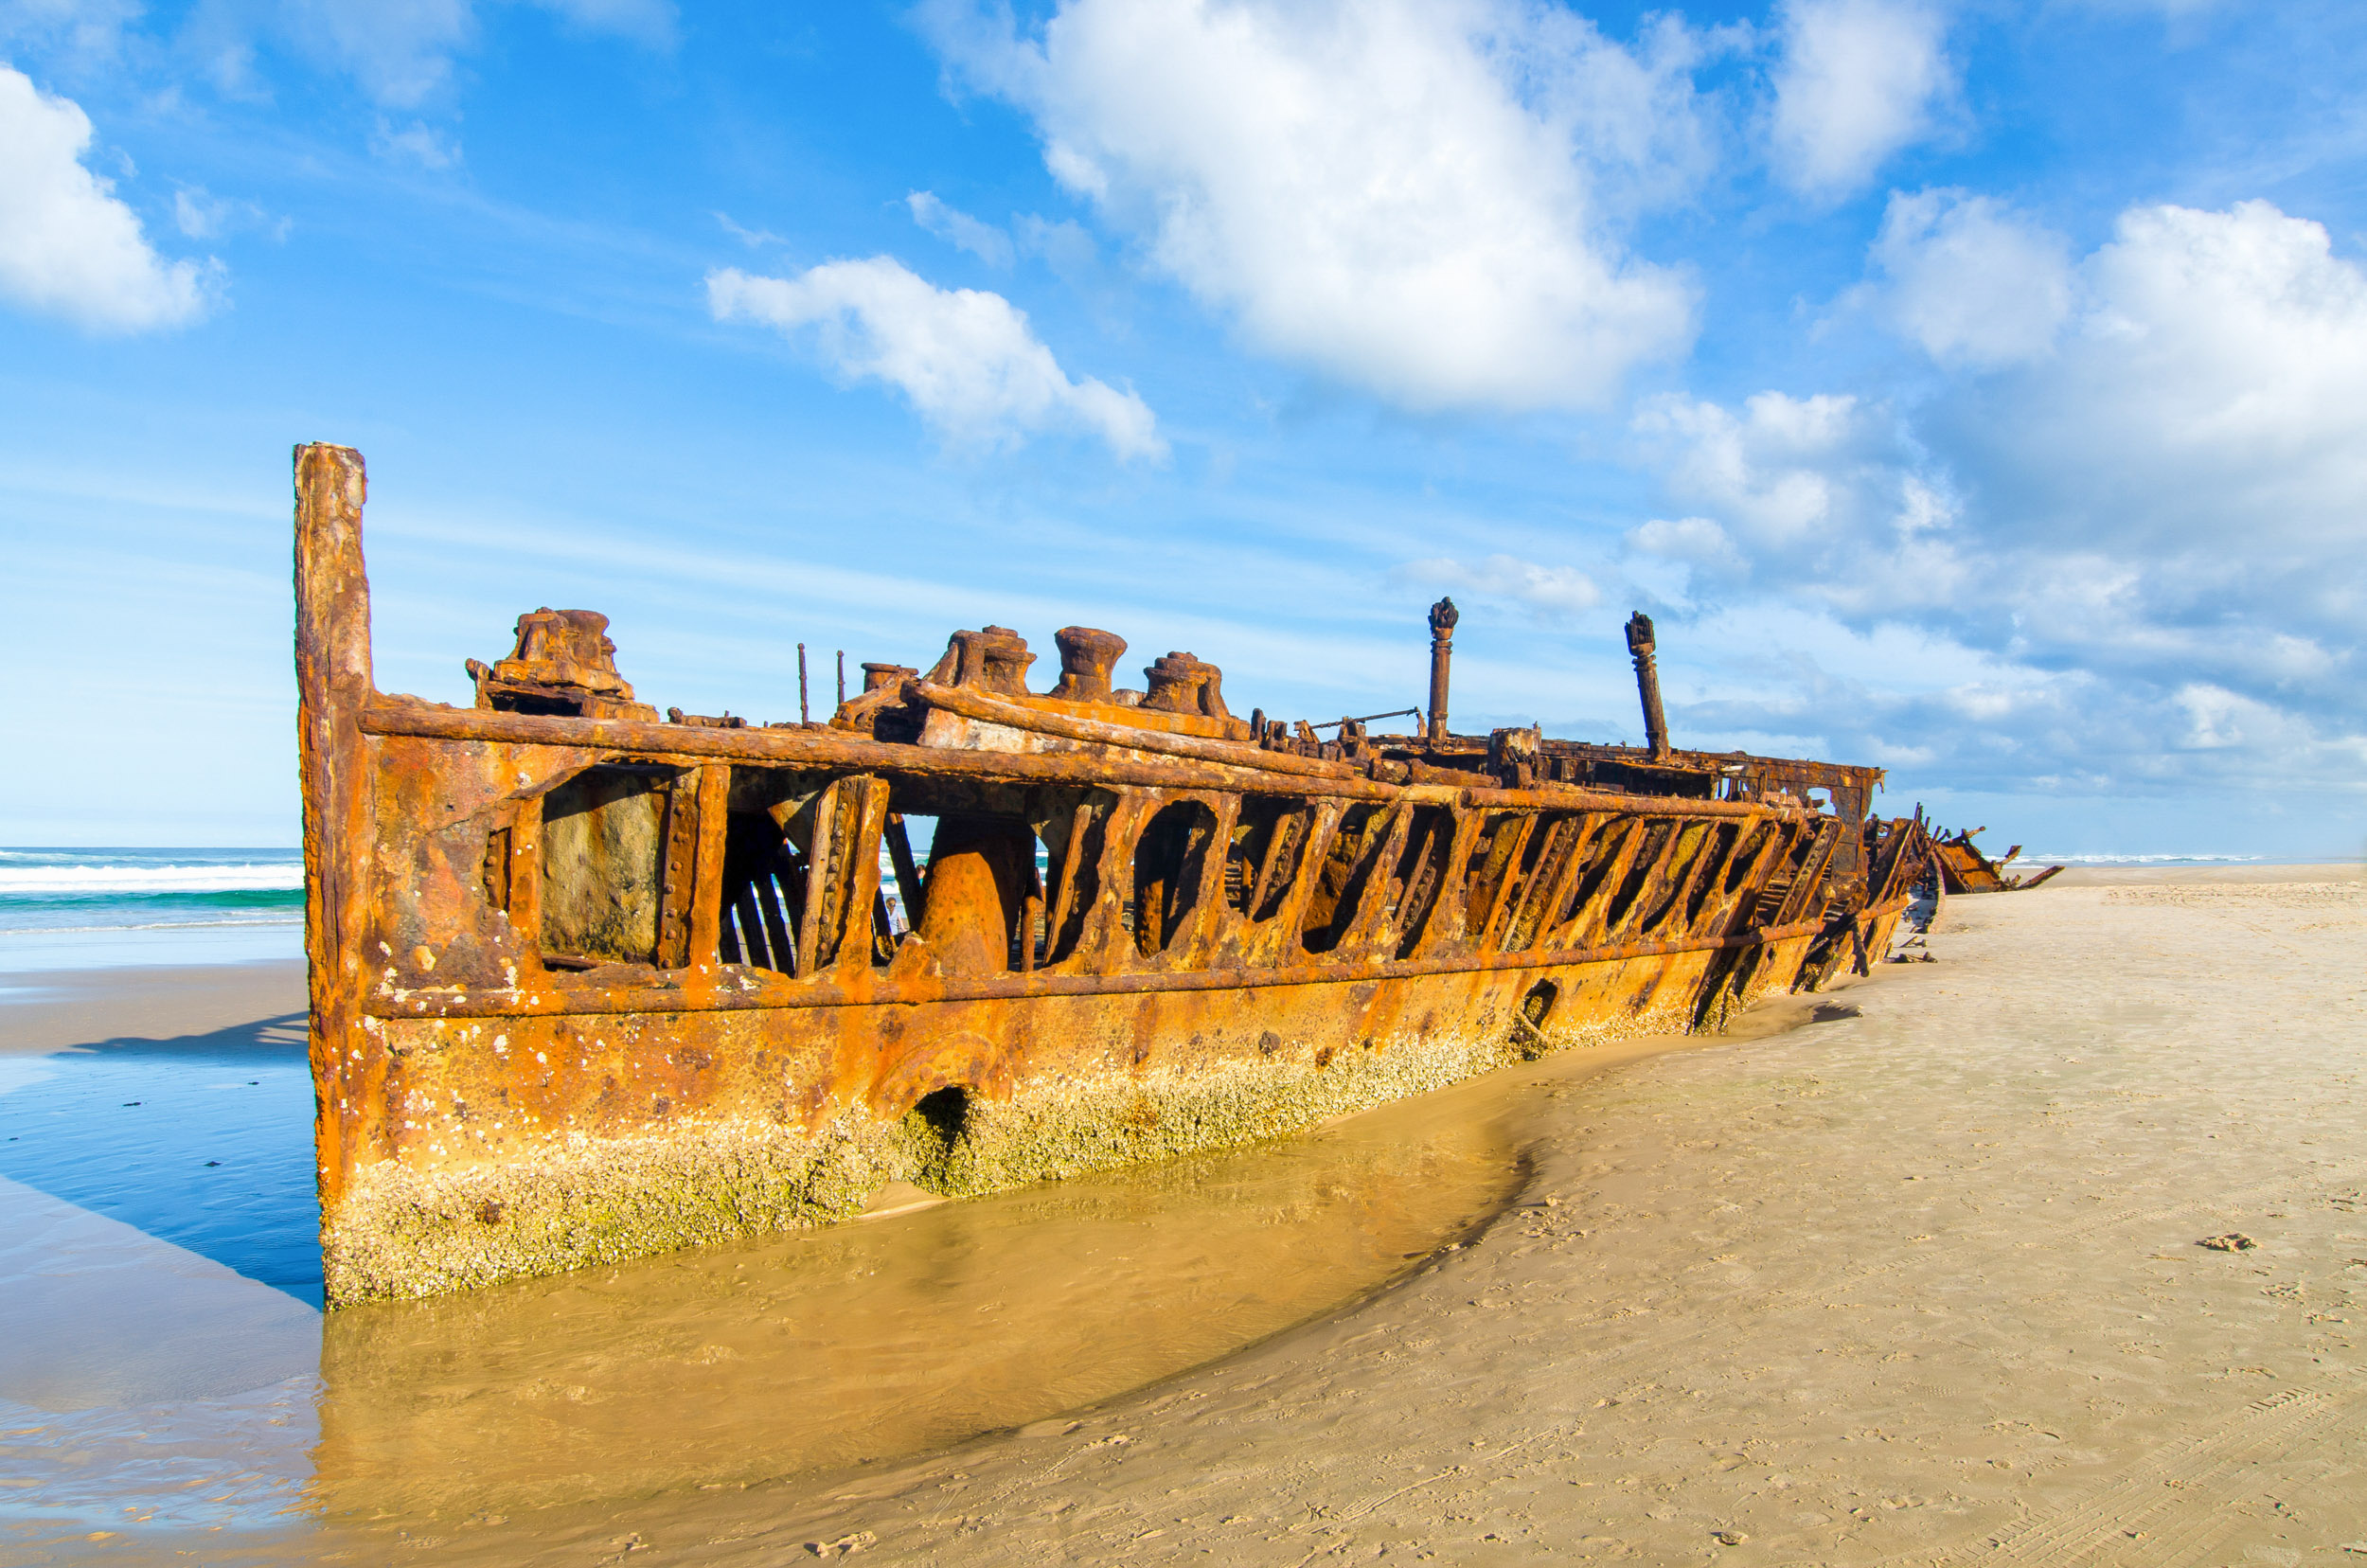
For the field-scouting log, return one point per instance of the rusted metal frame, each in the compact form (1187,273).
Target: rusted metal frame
(1205,925)
(713,788)
(1289,831)
(526,875)
(1362,870)
(1365,921)
(1738,891)
(677,873)
(1308,876)
(567,1001)
(1554,912)
(1443,926)
(1575,914)
(1235,754)
(1072,872)
(333,688)
(855,872)
(1519,911)
(681,745)
(1710,868)
(1104,945)
(1730,889)
(1491,931)
(1536,919)
(1810,882)
(1656,879)
(1702,856)
(1706,854)
(821,868)
(1571,797)
(1592,922)
(1419,898)
(908,881)
(1775,849)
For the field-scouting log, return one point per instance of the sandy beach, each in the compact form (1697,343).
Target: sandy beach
(1904,1274)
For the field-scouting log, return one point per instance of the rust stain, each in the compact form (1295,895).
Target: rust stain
(589,984)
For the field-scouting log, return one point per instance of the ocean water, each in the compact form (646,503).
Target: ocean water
(98,908)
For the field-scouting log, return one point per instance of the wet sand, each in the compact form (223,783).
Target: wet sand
(1915,1286)
(1915,1282)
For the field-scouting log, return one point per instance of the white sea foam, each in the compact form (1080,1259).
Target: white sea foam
(134,881)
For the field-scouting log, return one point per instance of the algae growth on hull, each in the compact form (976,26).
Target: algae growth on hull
(579,1199)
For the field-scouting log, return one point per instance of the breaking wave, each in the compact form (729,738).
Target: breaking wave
(61,890)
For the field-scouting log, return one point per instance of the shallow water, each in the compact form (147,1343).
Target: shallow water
(167,1385)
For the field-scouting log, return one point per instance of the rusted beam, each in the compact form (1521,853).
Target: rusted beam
(334,688)
(561,1001)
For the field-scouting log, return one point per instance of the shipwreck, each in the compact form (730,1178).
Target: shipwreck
(589,983)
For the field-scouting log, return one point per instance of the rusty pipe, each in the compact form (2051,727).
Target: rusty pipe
(1442,618)
(1647,683)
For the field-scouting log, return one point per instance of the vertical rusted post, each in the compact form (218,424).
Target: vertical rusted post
(842,677)
(333,684)
(805,715)
(1648,682)
(707,899)
(1442,619)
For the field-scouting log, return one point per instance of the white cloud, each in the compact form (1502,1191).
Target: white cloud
(2166,503)
(417,142)
(1858,81)
(200,215)
(1546,590)
(92,30)
(959,229)
(2204,419)
(1784,469)
(401,51)
(1695,540)
(1415,196)
(1969,281)
(966,358)
(68,245)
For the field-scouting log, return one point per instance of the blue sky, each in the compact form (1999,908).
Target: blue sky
(1976,390)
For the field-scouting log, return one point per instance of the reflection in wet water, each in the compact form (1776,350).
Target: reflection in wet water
(157,1399)
(881,1338)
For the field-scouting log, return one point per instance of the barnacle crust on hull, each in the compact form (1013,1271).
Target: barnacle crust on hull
(588,984)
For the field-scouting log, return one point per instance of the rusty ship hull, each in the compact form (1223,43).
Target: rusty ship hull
(589,984)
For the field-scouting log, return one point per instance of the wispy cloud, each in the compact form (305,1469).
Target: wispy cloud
(1544,591)
(964,358)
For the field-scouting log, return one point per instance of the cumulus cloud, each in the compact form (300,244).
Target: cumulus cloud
(965,359)
(68,245)
(2153,525)
(1545,590)
(1857,81)
(2213,388)
(1972,281)
(1417,197)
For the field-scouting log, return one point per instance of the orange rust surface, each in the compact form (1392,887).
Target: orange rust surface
(1233,927)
